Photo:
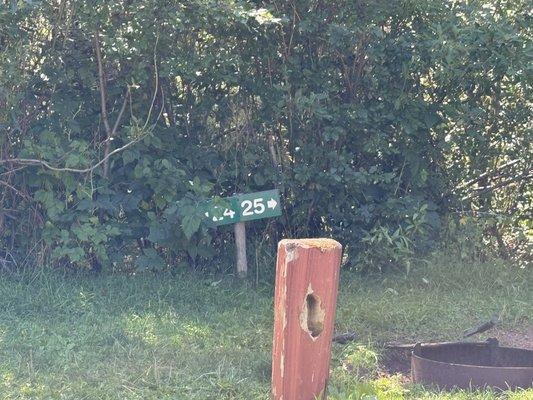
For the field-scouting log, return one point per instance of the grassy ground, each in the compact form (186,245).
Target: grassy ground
(198,337)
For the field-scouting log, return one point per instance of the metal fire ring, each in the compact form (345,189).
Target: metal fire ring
(470,365)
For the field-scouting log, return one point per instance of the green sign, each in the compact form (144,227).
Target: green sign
(244,207)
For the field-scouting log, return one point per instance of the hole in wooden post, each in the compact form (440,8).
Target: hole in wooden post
(315,315)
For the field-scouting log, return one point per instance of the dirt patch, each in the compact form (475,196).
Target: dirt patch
(522,338)
(396,362)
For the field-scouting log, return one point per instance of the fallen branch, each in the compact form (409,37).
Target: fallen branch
(485,326)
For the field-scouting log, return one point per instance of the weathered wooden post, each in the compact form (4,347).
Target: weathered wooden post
(307,278)
(240,249)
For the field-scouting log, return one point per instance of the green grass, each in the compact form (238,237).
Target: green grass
(199,337)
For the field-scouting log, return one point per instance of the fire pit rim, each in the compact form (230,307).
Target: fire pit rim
(447,374)
(414,355)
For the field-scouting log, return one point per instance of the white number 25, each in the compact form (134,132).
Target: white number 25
(258,207)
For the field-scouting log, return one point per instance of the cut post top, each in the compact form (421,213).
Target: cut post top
(321,244)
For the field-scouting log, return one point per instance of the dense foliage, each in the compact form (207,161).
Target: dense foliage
(384,124)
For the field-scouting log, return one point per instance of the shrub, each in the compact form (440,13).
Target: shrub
(117,118)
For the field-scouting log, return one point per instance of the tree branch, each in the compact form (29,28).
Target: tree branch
(101,80)
(24,162)
(14,189)
(121,112)
(156,86)
(486,175)
(524,176)
(45,164)
(110,133)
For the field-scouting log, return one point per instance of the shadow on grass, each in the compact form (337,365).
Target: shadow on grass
(186,336)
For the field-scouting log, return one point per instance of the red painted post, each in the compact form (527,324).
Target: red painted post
(307,278)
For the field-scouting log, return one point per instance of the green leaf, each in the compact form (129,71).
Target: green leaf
(190,225)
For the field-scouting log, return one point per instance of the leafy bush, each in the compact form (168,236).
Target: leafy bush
(118,117)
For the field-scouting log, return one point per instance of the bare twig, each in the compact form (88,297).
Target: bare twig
(12,171)
(14,189)
(121,112)
(400,177)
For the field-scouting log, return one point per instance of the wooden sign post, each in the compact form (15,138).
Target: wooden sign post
(240,249)
(307,277)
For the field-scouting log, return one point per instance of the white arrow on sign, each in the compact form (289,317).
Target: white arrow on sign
(272,203)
